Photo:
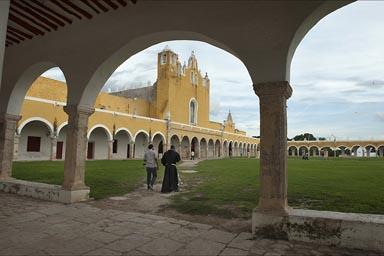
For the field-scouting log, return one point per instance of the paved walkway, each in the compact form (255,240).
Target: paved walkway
(34,227)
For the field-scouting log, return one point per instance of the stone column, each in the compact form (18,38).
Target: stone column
(16,147)
(76,144)
(222,150)
(169,135)
(8,124)
(273,156)
(197,150)
(131,150)
(54,148)
(381,152)
(110,149)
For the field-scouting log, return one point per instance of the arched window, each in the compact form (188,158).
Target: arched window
(192,111)
(163,59)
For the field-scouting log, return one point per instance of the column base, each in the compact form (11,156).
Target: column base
(72,196)
(5,178)
(269,223)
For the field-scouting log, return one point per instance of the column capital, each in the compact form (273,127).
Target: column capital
(70,109)
(9,117)
(273,88)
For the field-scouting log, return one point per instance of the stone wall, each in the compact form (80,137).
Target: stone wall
(145,93)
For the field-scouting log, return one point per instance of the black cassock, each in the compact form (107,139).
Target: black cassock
(170,181)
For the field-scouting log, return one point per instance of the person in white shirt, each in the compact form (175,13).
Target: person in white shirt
(151,166)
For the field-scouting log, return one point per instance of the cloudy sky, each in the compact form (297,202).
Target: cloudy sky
(337,76)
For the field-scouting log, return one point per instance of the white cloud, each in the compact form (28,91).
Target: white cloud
(54,73)
(380,116)
(215,108)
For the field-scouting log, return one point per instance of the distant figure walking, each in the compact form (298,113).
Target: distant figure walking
(151,166)
(192,155)
(170,181)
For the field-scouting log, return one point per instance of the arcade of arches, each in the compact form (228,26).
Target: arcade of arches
(263,35)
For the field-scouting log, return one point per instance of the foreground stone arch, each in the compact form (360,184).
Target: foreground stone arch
(88,62)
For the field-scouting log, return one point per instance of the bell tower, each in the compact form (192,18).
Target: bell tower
(168,70)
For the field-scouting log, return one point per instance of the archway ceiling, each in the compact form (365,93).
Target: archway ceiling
(98,35)
(31,18)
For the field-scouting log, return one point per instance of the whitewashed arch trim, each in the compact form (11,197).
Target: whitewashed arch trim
(45,121)
(108,133)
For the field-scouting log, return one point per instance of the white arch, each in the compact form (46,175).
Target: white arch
(45,121)
(126,130)
(109,134)
(139,43)
(61,127)
(177,136)
(22,83)
(160,133)
(326,8)
(141,131)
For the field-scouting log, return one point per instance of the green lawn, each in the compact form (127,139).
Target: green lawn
(229,187)
(105,178)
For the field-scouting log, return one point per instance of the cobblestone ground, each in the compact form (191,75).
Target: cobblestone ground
(35,227)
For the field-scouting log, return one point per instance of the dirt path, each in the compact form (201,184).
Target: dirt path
(154,202)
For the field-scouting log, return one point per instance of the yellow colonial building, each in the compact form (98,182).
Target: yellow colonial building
(174,110)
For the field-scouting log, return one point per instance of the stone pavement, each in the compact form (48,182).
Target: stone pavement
(34,227)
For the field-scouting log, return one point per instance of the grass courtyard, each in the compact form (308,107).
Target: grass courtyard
(229,187)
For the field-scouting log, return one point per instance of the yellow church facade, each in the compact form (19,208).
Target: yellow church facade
(175,110)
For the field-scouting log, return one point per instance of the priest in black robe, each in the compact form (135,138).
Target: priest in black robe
(170,181)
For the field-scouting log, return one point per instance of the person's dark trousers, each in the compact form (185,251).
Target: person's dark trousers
(151,176)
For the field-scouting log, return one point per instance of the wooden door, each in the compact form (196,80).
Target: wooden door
(90,150)
(59,150)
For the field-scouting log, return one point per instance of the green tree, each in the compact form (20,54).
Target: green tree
(305,136)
